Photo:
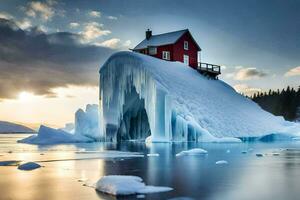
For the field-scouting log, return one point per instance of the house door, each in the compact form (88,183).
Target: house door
(186,59)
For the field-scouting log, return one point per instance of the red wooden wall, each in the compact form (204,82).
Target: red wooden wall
(177,50)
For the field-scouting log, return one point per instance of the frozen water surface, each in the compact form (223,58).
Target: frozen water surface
(191,177)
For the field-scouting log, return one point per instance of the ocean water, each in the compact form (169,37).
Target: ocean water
(67,168)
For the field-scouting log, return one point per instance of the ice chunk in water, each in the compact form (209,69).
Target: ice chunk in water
(29,166)
(126,185)
(191,152)
(221,162)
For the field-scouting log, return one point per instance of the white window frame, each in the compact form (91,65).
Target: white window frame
(152,50)
(166,55)
(186,58)
(186,45)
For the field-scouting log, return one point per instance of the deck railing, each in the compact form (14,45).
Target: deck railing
(209,68)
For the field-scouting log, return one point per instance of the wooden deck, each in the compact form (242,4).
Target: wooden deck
(209,70)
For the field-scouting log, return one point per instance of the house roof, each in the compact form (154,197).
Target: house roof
(163,39)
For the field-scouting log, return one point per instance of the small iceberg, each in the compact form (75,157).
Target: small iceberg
(47,135)
(29,166)
(126,185)
(221,162)
(192,152)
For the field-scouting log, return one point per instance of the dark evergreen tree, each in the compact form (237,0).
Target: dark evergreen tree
(285,103)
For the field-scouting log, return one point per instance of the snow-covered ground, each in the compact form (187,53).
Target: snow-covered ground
(142,96)
(8,127)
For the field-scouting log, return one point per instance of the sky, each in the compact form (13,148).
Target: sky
(51,51)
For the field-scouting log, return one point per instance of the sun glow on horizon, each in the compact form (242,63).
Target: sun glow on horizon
(28,108)
(25,96)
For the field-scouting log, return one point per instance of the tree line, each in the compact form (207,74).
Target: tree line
(284,103)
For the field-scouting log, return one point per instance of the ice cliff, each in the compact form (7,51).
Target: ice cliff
(141,96)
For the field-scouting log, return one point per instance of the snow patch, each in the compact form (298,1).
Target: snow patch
(47,135)
(126,185)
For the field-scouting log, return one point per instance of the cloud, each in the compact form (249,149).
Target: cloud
(111,43)
(39,9)
(112,17)
(94,13)
(24,23)
(93,30)
(74,25)
(293,72)
(249,74)
(246,90)
(127,43)
(5,15)
(38,62)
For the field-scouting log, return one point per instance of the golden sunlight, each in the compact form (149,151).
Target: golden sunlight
(25,96)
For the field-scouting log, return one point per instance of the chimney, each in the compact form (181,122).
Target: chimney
(148,34)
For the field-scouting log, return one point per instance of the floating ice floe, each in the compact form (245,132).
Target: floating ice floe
(152,154)
(29,166)
(48,135)
(126,185)
(221,162)
(140,196)
(192,152)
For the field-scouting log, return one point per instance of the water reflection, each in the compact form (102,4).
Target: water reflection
(245,177)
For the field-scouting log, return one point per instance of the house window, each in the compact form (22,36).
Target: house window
(166,55)
(186,45)
(186,59)
(152,50)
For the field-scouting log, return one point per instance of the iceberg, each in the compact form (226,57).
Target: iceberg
(69,127)
(47,135)
(144,97)
(87,122)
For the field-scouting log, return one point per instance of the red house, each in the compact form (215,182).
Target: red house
(176,46)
